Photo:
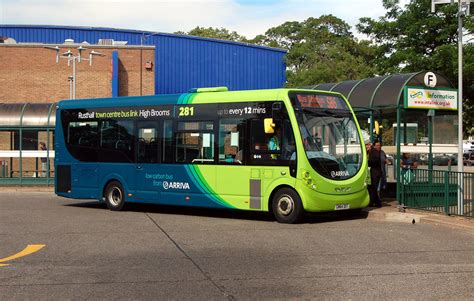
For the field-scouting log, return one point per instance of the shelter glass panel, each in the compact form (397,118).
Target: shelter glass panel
(29,140)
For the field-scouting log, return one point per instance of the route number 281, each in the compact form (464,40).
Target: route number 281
(186,111)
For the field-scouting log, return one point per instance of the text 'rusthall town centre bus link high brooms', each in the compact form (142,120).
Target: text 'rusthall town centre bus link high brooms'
(286,151)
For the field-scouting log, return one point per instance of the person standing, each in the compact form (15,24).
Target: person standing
(408,163)
(368,147)
(44,160)
(375,165)
(383,162)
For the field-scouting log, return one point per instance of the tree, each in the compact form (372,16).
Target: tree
(411,38)
(215,33)
(320,50)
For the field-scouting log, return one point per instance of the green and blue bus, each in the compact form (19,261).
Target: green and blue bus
(286,151)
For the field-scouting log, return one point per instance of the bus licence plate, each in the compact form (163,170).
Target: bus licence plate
(341,207)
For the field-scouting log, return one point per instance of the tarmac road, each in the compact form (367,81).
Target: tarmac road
(155,252)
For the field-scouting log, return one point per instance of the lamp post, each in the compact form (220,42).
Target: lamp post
(463,10)
(70,79)
(71,60)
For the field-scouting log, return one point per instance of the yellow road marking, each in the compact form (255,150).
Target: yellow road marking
(30,249)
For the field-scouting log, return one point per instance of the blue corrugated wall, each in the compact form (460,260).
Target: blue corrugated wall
(181,62)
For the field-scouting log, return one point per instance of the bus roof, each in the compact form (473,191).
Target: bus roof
(185,98)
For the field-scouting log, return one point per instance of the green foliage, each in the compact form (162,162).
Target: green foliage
(406,39)
(320,50)
(215,33)
(411,38)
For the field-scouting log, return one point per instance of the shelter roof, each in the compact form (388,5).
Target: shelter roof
(37,115)
(381,91)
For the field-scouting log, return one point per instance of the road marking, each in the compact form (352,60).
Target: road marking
(30,249)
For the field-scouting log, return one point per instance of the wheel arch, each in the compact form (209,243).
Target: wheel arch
(111,178)
(107,184)
(274,191)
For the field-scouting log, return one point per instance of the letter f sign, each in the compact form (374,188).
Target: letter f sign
(430,79)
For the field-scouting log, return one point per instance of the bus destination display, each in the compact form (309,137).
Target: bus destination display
(320,101)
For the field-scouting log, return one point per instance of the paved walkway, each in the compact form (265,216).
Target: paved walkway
(27,189)
(390,212)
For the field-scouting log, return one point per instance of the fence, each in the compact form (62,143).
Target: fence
(437,190)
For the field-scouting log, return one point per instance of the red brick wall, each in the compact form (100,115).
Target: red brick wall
(29,73)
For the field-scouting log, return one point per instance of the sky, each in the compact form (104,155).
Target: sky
(246,17)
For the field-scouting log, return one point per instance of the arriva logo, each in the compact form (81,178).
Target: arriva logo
(339,173)
(342,189)
(175,185)
(418,94)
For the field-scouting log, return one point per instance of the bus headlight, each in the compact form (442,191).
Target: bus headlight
(309,181)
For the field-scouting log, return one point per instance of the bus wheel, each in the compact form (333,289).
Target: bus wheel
(114,196)
(287,207)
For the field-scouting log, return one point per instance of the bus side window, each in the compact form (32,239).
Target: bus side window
(117,141)
(231,141)
(82,140)
(195,142)
(83,133)
(147,146)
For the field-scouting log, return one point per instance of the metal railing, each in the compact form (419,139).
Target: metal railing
(447,192)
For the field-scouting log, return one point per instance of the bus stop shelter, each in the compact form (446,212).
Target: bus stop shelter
(22,128)
(406,115)
(415,114)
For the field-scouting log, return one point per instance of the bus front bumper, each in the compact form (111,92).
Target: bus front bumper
(314,201)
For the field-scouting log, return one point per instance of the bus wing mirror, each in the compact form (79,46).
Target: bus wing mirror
(269,125)
(376,127)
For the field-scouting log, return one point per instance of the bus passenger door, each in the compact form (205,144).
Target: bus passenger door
(147,168)
(191,179)
(234,183)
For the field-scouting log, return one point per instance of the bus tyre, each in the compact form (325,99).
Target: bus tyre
(114,196)
(287,207)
